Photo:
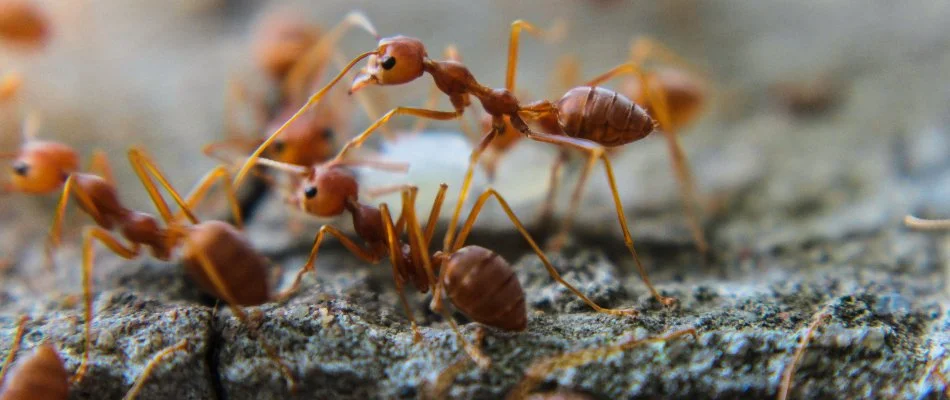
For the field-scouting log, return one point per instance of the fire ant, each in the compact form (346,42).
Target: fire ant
(43,375)
(922,224)
(294,53)
(42,166)
(590,118)
(467,275)
(23,24)
(539,370)
(215,254)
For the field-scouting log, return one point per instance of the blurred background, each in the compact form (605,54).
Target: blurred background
(803,95)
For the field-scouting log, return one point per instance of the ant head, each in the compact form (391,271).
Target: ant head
(325,193)
(307,141)
(398,60)
(281,40)
(42,167)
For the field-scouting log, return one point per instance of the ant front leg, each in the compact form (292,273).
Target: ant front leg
(127,252)
(547,209)
(143,166)
(497,126)
(540,370)
(418,112)
(152,364)
(473,215)
(198,193)
(596,151)
(310,266)
(100,166)
(922,224)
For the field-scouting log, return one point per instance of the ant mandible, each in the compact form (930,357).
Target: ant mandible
(467,275)
(590,118)
(42,374)
(215,254)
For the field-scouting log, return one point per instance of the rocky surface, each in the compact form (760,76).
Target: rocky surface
(803,213)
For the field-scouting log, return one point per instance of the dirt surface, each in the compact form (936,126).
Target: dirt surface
(803,211)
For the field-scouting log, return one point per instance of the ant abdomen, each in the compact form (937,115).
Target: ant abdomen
(40,376)
(484,287)
(603,116)
(232,257)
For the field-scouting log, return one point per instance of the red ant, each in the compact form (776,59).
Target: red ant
(23,24)
(42,374)
(294,53)
(590,118)
(467,275)
(42,166)
(215,254)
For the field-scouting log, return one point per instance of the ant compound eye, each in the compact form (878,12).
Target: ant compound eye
(310,192)
(279,146)
(328,133)
(21,168)
(388,63)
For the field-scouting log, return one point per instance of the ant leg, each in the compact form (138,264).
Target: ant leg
(547,209)
(418,112)
(395,258)
(152,364)
(467,184)
(218,283)
(252,159)
(31,125)
(643,48)
(553,34)
(597,151)
(434,214)
(786,384)
(473,215)
(17,340)
(439,389)
(144,166)
(566,74)
(103,236)
(100,166)
(316,57)
(70,187)
(198,193)
(913,222)
(539,370)
(371,105)
(363,254)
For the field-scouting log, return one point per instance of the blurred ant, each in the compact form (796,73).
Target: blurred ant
(539,370)
(42,374)
(589,118)
(478,281)
(922,224)
(23,24)
(215,254)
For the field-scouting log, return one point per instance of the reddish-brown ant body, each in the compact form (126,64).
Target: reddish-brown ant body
(23,24)
(42,375)
(589,118)
(41,166)
(215,254)
(478,281)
